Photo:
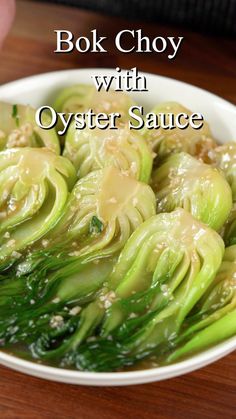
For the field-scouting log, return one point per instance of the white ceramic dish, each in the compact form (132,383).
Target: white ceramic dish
(221,115)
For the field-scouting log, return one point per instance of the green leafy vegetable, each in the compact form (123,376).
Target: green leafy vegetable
(229,229)
(109,197)
(174,262)
(96,226)
(15,114)
(214,318)
(91,150)
(106,196)
(29,308)
(82,97)
(183,181)
(163,271)
(224,157)
(197,142)
(18,128)
(34,187)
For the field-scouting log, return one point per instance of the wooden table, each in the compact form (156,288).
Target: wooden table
(206,61)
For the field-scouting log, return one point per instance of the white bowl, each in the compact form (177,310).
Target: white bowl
(219,113)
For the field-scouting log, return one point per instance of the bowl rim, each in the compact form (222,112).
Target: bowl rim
(128,377)
(119,378)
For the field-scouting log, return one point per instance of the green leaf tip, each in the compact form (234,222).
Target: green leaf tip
(96,225)
(15,114)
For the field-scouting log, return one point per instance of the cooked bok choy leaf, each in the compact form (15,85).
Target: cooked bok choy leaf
(29,308)
(224,157)
(102,212)
(166,141)
(229,229)
(104,208)
(95,149)
(162,272)
(183,181)
(18,128)
(119,203)
(214,318)
(34,186)
(155,287)
(82,97)
(171,257)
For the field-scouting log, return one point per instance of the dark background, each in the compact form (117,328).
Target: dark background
(214,16)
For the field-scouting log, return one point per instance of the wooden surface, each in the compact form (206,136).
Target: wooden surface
(208,62)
